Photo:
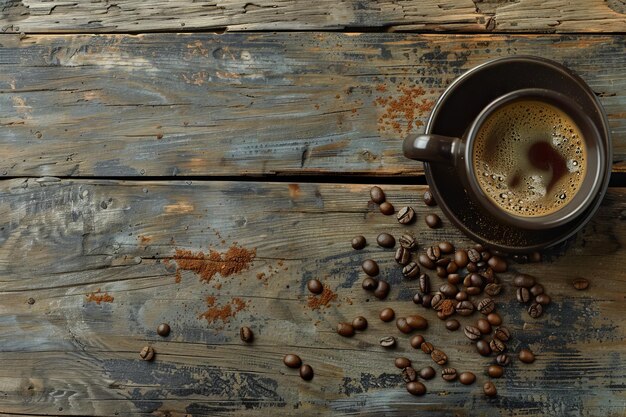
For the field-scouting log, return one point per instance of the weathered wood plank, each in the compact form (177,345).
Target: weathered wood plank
(252,104)
(40,16)
(60,241)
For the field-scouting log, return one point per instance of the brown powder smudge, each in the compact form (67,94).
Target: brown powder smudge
(323,300)
(224,312)
(206,266)
(408,107)
(99,297)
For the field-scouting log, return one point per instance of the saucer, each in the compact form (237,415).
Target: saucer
(461,103)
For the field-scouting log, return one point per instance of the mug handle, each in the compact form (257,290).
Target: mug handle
(433,148)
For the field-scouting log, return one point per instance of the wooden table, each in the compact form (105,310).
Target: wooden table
(136,132)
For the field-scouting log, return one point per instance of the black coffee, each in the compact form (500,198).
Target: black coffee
(529,158)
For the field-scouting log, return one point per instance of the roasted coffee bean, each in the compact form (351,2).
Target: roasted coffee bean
(493,289)
(486,306)
(315,286)
(408,241)
(385,240)
(439,357)
(416,341)
(433,253)
(454,279)
(462,296)
(451,268)
(467,378)
(292,361)
(464,308)
(466,280)
(535,310)
(382,290)
(484,326)
(417,322)
(494,319)
(424,283)
(436,301)
(425,261)
(441,315)
(472,333)
(503,359)
(411,270)
(403,326)
(448,374)
(409,374)
(471,267)
(369,284)
(482,265)
(429,199)
(445,247)
(489,276)
(147,353)
(475,280)
(387,314)
(377,195)
(402,362)
(479,247)
(345,329)
(163,330)
(359,323)
(497,346)
(406,215)
(523,295)
(427,300)
(427,373)
(306,372)
(460,258)
(441,272)
(416,388)
(432,220)
(30,301)
(483,348)
(524,280)
(245,334)
(485,255)
(580,284)
(387,208)
(402,256)
(526,356)
(536,289)
(443,262)
(473,290)
(543,299)
(370,267)
(473,255)
(497,263)
(358,242)
(447,308)
(489,389)
(502,333)
(448,290)
(417,298)
(453,325)
(427,347)
(387,341)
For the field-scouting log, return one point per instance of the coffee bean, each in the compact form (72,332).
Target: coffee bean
(292,361)
(471,267)
(406,215)
(503,359)
(445,247)
(427,300)
(436,301)
(535,310)
(387,314)
(386,208)
(486,306)
(523,295)
(473,290)
(494,319)
(462,296)
(439,357)
(359,323)
(424,283)
(416,388)
(536,289)
(306,372)
(369,284)
(448,374)
(453,325)
(377,195)
(443,262)
(427,347)
(473,255)
(484,326)
(472,333)
(315,286)
(441,272)
(464,308)
(489,389)
(526,356)
(475,280)
(147,353)
(30,301)
(485,255)
(408,241)
(524,280)
(402,256)
(429,200)
(479,247)
(245,334)
(370,267)
(441,315)
(454,279)
(483,348)
(345,329)
(543,299)
(446,308)
(163,330)
(448,290)
(580,284)
(451,268)
(416,341)
(382,290)
(493,289)
(403,326)
(409,374)
(467,378)
(425,261)
(460,258)
(497,346)
(497,263)
(432,220)
(417,322)
(411,270)
(417,298)
(387,341)
(402,362)
(427,373)
(358,242)
(433,253)
(489,276)
(502,333)
(385,240)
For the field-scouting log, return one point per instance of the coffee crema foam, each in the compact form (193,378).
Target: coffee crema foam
(529,158)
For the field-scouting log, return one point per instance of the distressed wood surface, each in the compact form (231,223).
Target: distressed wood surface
(252,104)
(37,16)
(63,240)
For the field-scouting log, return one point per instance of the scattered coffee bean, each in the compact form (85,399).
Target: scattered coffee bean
(409,374)
(433,253)
(163,330)
(306,372)
(473,290)
(479,247)
(387,314)
(536,290)
(489,389)
(447,308)
(369,284)
(402,362)
(497,346)
(502,333)
(403,326)
(406,215)
(315,286)
(292,361)
(30,301)
(489,276)
(424,283)
(441,272)
(526,356)
(416,388)
(245,334)
(473,255)
(345,329)
(370,267)
(524,280)
(448,374)
(427,373)
(503,359)
(485,255)
(439,357)
(483,348)
(429,200)
(472,333)
(484,326)
(453,325)
(462,296)
(417,298)
(523,295)
(443,262)
(497,263)
(432,220)
(448,290)
(467,378)
(475,280)
(580,284)
(382,290)
(471,267)
(543,299)
(494,319)
(451,268)
(411,270)
(387,341)
(359,323)
(402,256)
(386,208)
(427,300)
(493,289)
(408,241)
(425,261)
(436,301)
(535,310)
(454,279)
(427,347)
(147,353)
(358,242)
(417,322)
(377,194)
(416,341)
(486,306)
(445,247)
(460,258)
(385,240)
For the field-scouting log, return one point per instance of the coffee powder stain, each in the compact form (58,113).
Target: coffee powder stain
(402,113)
(99,297)
(316,302)
(223,312)
(236,259)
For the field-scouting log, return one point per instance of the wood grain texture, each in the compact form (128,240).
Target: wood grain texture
(37,16)
(252,104)
(61,240)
